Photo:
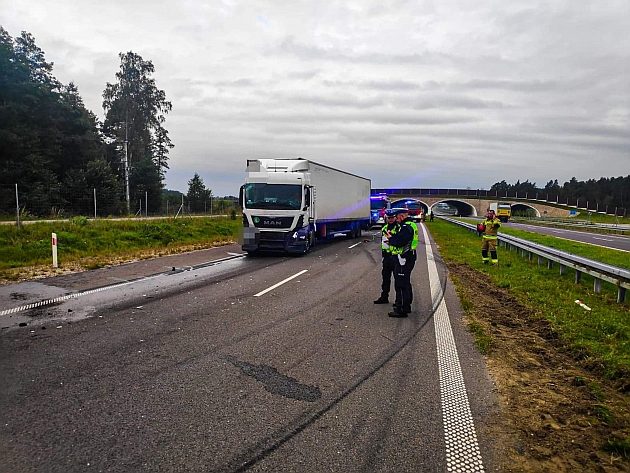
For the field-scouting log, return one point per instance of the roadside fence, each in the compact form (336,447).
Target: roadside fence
(19,204)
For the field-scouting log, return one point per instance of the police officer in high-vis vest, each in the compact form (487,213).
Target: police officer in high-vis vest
(489,229)
(389,260)
(404,243)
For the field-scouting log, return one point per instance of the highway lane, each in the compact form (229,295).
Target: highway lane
(616,242)
(216,372)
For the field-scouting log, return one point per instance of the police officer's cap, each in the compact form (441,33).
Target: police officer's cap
(390,213)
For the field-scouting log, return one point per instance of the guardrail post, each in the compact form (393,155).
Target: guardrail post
(578,276)
(621,294)
(549,264)
(562,269)
(539,260)
(597,285)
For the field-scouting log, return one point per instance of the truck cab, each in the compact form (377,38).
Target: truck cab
(503,210)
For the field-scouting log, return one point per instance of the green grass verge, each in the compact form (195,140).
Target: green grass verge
(610,256)
(600,337)
(30,245)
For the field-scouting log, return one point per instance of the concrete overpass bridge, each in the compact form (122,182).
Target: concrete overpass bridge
(475,202)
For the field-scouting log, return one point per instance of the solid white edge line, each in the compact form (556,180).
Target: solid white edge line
(356,244)
(280,283)
(462,449)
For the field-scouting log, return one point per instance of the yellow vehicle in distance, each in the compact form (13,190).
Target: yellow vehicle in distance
(502,209)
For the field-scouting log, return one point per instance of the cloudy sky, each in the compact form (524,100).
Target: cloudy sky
(423,93)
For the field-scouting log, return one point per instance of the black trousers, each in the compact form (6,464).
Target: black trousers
(389,264)
(402,282)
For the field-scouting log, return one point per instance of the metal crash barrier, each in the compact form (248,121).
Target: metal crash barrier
(619,277)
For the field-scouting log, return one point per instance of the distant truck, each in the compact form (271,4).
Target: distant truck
(502,209)
(288,204)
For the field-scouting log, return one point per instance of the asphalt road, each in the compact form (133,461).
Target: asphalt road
(617,242)
(242,364)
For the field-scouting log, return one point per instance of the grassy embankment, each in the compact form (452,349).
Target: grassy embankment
(617,258)
(601,337)
(92,244)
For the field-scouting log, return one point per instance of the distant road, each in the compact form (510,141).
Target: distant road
(616,242)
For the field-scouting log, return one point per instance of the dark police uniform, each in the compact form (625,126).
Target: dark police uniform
(404,244)
(389,260)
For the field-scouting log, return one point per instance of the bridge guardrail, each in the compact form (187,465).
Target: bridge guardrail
(600,271)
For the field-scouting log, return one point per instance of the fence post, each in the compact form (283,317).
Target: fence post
(146,203)
(95,202)
(17,206)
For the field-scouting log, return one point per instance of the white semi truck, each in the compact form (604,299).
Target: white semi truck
(288,204)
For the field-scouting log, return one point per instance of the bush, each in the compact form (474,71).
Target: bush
(79,221)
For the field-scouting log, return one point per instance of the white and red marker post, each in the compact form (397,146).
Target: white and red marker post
(54,250)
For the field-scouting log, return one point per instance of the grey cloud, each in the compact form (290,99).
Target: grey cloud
(307,52)
(511,85)
(334,101)
(238,83)
(384,85)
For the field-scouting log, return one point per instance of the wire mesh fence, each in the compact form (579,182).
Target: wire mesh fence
(23,204)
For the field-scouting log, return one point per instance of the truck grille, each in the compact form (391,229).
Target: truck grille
(272,240)
(272,222)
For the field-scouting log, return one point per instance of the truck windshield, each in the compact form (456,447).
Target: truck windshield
(273,196)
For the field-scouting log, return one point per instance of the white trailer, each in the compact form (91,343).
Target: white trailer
(288,204)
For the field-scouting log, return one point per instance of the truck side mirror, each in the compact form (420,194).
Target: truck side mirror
(240,197)
(307,198)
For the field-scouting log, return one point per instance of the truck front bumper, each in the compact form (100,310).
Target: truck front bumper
(291,242)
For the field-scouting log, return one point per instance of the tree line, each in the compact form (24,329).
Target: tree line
(611,192)
(58,152)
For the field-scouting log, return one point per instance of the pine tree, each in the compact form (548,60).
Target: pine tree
(135,111)
(198,194)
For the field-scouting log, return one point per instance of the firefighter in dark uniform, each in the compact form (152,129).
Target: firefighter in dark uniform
(404,243)
(389,260)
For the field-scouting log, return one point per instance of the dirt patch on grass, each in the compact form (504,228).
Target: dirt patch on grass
(557,415)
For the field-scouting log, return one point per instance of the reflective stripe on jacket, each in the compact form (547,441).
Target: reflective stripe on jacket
(492,227)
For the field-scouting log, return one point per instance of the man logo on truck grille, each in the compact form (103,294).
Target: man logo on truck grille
(256,219)
(272,223)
